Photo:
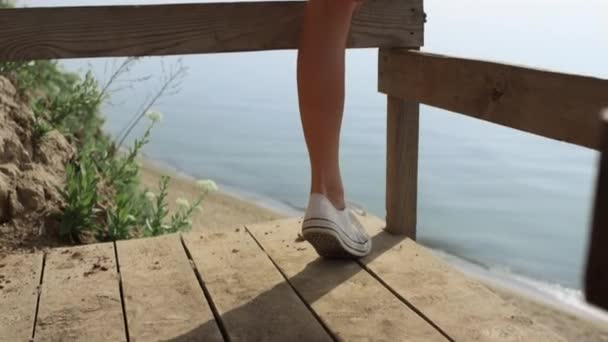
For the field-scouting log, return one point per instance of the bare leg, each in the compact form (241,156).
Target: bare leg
(321,90)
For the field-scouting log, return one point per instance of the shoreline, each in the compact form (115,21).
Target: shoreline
(220,209)
(264,202)
(228,207)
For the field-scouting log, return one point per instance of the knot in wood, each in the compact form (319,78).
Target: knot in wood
(497,93)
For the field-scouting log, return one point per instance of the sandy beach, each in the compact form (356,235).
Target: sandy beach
(221,211)
(571,327)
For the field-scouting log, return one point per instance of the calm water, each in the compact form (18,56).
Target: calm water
(501,198)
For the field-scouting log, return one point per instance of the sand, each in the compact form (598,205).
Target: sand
(31,169)
(571,327)
(221,210)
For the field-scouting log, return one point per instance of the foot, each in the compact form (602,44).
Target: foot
(334,233)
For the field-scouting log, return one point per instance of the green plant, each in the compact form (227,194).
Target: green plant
(80,196)
(10,67)
(121,171)
(38,79)
(180,221)
(154,223)
(120,219)
(131,211)
(102,194)
(157,224)
(41,125)
(129,205)
(74,110)
(7,4)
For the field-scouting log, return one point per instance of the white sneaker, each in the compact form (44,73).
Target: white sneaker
(334,233)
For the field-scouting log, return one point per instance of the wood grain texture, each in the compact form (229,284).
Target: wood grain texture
(19,280)
(596,277)
(550,104)
(163,299)
(80,297)
(402,166)
(463,308)
(250,294)
(104,31)
(352,304)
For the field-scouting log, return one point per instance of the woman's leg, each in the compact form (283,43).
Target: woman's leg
(326,225)
(321,90)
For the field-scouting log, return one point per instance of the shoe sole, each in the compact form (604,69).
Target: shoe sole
(328,244)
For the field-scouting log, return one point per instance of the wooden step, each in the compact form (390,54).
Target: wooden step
(250,283)
(161,294)
(464,308)
(19,280)
(351,303)
(80,297)
(251,296)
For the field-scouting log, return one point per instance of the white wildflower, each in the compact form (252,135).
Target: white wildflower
(150,196)
(154,116)
(182,202)
(206,185)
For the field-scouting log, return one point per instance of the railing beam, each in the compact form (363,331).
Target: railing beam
(151,30)
(596,278)
(551,104)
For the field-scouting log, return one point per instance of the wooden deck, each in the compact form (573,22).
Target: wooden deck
(249,283)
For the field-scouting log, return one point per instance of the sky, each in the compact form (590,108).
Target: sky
(562,35)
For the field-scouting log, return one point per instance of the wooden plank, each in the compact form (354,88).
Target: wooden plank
(163,299)
(550,104)
(351,303)
(253,299)
(80,297)
(19,280)
(402,166)
(96,31)
(464,309)
(596,277)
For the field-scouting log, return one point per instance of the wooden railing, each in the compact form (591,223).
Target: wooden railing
(596,273)
(105,31)
(553,105)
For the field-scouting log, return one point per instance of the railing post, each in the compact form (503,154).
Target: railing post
(402,166)
(596,278)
